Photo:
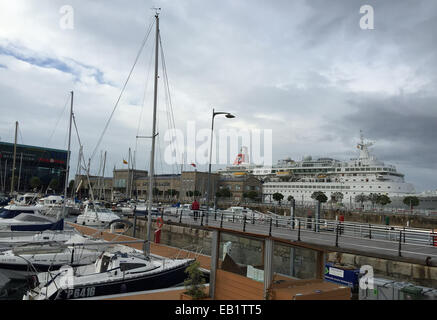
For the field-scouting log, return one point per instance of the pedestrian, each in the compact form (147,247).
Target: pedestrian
(341,219)
(195,207)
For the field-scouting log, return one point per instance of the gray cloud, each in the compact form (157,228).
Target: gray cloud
(302,68)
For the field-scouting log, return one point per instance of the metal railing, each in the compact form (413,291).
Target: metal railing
(340,231)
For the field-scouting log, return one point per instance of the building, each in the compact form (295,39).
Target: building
(48,165)
(239,185)
(124,182)
(102,187)
(166,186)
(192,181)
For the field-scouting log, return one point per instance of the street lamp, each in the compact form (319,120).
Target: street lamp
(229,116)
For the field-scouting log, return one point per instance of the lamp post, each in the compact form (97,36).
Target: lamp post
(229,116)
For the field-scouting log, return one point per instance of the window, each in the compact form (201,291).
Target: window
(130,266)
(291,262)
(234,257)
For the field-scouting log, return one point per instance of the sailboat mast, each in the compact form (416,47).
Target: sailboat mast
(67,169)
(152,155)
(13,160)
(19,172)
(102,190)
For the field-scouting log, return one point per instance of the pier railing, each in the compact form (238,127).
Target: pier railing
(338,232)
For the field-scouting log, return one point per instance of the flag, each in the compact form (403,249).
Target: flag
(193,165)
(124,161)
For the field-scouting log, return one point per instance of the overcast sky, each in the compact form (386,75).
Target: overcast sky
(304,69)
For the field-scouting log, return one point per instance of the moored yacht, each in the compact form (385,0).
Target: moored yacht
(96,216)
(112,273)
(32,258)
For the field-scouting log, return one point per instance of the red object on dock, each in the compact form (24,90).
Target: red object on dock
(434,237)
(158,236)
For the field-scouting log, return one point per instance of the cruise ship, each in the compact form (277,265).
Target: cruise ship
(300,179)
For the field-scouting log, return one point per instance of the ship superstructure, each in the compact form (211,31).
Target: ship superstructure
(300,179)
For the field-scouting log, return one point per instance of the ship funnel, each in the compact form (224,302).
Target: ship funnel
(242,157)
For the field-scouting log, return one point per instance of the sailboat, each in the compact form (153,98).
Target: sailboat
(116,272)
(29,259)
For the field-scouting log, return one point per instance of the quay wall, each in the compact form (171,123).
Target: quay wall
(195,238)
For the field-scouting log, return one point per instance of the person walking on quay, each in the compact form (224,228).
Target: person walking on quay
(195,207)
(341,219)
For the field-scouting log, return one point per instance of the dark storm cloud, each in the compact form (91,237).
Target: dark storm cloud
(406,126)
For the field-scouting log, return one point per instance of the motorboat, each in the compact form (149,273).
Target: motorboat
(13,210)
(9,239)
(29,259)
(112,273)
(143,210)
(30,222)
(26,199)
(96,216)
(247,212)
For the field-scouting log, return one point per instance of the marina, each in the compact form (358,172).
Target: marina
(210,158)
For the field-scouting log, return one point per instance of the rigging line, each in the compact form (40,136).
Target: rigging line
(59,119)
(21,135)
(144,100)
(122,91)
(167,86)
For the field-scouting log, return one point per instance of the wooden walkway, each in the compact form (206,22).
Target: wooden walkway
(157,249)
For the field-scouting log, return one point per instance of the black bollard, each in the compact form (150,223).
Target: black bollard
(298,230)
(404,234)
(336,235)
(180,216)
(221,220)
(201,219)
(400,242)
(215,215)
(370,231)
(270,231)
(253,218)
(244,223)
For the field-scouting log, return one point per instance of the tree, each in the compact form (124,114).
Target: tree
(411,201)
(53,184)
(189,193)
(197,193)
(319,196)
(35,182)
(373,198)
(195,283)
(337,197)
(278,197)
(361,198)
(290,198)
(383,200)
(224,193)
(157,192)
(171,193)
(252,195)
